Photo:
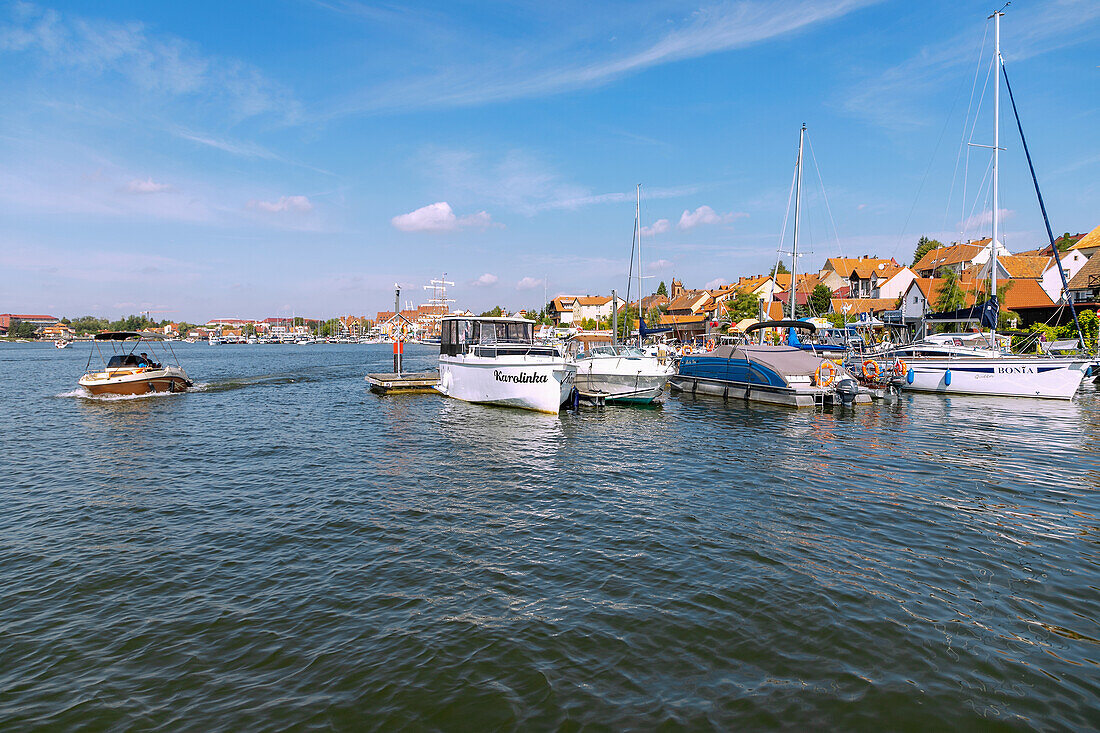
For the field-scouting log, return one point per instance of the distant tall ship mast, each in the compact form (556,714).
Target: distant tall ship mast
(439,302)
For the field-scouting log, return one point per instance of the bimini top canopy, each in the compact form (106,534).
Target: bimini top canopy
(805,325)
(123,335)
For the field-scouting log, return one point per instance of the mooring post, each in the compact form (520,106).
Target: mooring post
(397,344)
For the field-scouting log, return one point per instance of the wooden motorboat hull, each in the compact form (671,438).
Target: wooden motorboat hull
(137,382)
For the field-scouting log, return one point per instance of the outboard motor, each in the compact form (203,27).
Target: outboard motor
(846,390)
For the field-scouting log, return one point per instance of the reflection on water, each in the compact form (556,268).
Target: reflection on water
(283,547)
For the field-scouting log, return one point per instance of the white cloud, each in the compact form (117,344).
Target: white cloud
(706,215)
(297,204)
(485,280)
(440,217)
(147,186)
(659,227)
(716,283)
(528,283)
(660,266)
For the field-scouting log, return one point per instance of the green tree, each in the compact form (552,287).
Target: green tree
(627,317)
(820,299)
(924,246)
(89,324)
(743,305)
(662,290)
(23,330)
(1065,241)
(653,317)
(779,269)
(951,296)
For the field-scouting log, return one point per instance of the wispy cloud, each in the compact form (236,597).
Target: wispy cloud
(440,217)
(158,67)
(520,181)
(284,204)
(547,65)
(529,283)
(984,219)
(895,98)
(147,185)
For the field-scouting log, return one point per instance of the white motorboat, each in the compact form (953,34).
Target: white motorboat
(496,361)
(124,371)
(622,374)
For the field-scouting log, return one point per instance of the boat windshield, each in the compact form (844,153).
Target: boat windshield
(119,361)
(459,333)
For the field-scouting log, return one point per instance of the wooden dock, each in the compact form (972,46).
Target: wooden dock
(405,383)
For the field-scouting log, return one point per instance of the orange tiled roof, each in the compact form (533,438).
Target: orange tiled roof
(954,254)
(1021,266)
(1020,294)
(1089,241)
(862,305)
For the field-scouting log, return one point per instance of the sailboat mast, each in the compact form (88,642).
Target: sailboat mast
(996,154)
(638,215)
(797,210)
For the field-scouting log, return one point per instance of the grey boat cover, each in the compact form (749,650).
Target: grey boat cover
(786,360)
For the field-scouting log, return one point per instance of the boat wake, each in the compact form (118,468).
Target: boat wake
(266,380)
(84,394)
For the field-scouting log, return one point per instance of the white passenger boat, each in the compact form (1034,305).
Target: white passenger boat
(622,374)
(496,361)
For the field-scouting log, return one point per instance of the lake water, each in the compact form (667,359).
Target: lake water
(281,548)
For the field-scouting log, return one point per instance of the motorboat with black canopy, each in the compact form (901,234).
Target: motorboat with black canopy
(127,370)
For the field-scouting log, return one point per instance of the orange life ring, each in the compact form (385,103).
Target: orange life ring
(710,346)
(900,368)
(823,380)
(871,369)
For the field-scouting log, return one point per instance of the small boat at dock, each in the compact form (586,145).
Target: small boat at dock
(496,361)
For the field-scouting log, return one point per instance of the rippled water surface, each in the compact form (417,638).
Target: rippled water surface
(282,548)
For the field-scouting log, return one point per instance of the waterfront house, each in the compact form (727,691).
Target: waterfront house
(1085,285)
(958,256)
(1089,244)
(1024,297)
(1042,268)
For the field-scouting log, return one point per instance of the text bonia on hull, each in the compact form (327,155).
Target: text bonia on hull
(496,361)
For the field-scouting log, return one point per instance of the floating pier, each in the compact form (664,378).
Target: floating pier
(406,383)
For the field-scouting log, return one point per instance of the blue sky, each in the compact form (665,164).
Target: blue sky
(254,159)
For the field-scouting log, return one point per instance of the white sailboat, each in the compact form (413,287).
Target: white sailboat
(949,368)
(625,374)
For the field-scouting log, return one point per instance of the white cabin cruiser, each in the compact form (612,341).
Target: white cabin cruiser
(622,374)
(496,361)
